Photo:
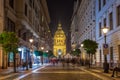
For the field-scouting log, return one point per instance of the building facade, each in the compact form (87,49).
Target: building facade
(28,19)
(1,26)
(83,23)
(74,26)
(108,15)
(59,48)
(86,21)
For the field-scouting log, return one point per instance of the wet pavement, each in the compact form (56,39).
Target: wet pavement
(10,75)
(60,73)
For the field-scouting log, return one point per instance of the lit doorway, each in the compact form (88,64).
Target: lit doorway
(59,53)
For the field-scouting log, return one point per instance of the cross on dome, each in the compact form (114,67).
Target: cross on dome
(59,26)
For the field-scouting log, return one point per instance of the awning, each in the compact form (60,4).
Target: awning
(38,53)
(45,54)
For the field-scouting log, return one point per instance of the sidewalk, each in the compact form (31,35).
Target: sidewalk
(6,73)
(99,73)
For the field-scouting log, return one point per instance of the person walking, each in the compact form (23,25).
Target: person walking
(67,61)
(73,62)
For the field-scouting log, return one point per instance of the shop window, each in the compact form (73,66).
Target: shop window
(111,53)
(10,25)
(99,5)
(100,30)
(19,33)
(100,56)
(24,36)
(25,9)
(118,15)
(10,59)
(104,22)
(104,2)
(111,21)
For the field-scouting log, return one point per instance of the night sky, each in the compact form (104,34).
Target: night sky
(60,11)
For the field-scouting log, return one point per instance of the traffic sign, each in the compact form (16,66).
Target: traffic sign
(105,49)
(105,45)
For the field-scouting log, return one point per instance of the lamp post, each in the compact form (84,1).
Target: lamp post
(73,46)
(20,52)
(82,62)
(42,48)
(46,51)
(81,45)
(31,41)
(106,65)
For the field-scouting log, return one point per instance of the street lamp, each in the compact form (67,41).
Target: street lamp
(42,48)
(47,51)
(20,52)
(81,45)
(31,41)
(73,45)
(106,65)
(82,56)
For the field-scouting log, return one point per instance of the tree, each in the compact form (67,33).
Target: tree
(9,42)
(90,46)
(50,54)
(76,52)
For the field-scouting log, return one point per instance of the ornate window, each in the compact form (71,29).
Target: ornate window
(11,3)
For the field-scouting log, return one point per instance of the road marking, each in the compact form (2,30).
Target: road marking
(28,73)
(96,70)
(71,72)
(4,77)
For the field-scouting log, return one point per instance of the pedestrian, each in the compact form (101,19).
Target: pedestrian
(73,62)
(67,61)
(23,65)
(56,61)
(30,64)
(116,69)
(63,62)
(53,61)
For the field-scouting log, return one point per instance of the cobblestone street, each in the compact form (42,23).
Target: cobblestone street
(60,73)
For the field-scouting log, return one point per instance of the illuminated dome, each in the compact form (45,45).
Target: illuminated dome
(59,42)
(59,32)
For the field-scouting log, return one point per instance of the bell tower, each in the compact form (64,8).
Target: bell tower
(59,48)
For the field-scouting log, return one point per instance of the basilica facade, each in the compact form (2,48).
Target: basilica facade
(59,47)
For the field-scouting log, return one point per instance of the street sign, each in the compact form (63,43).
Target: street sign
(105,49)
(105,45)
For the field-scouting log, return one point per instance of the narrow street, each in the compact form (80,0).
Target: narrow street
(60,73)
(59,39)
